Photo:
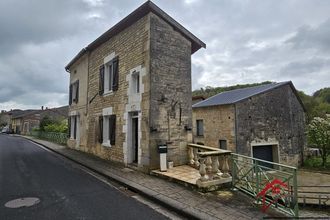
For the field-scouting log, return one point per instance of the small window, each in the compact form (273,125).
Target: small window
(108,77)
(200,127)
(74,92)
(223,144)
(73,123)
(136,82)
(108,130)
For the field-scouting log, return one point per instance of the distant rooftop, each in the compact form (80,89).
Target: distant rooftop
(234,96)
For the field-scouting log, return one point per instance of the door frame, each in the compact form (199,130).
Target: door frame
(275,149)
(134,115)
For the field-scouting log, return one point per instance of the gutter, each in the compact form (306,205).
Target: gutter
(80,54)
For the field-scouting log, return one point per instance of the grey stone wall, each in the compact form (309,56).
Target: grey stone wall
(273,116)
(170,92)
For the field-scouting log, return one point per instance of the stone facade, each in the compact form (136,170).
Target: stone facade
(79,72)
(154,105)
(132,48)
(275,118)
(170,81)
(24,121)
(219,124)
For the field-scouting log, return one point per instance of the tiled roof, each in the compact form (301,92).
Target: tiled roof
(25,113)
(233,96)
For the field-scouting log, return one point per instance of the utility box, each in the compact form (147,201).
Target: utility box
(162,150)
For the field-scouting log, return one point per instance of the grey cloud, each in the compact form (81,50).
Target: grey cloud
(37,21)
(247,41)
(305,67)
(308,37)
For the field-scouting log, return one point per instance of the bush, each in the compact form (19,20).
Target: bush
(316,162)
(318,133)
(60,127)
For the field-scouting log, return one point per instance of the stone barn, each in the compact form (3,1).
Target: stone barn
(266,122)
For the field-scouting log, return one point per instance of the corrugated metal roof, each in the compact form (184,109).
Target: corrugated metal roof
(233,96)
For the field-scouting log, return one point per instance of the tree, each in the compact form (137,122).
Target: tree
(318,133)
(46,120)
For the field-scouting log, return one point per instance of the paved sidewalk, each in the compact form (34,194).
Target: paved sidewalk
(192,204)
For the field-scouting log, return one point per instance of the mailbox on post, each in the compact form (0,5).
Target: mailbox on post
(162,150)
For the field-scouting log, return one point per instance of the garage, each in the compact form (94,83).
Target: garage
(264,152)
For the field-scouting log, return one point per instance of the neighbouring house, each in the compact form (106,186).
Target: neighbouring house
(197,98)
(130,90)
(266,122)
(24,121)
(6,118)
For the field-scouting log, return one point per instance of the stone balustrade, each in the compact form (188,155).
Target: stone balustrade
(212,164)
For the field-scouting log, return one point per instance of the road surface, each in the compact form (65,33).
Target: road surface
(58,188)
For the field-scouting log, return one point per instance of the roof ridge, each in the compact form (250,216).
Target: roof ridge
(236,94)
(133,17)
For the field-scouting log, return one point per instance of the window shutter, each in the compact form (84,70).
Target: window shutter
(75,127)
(69,126)
(100,129)
(70,95)
(101,83)
(112,129)
(77,91)
(115,74)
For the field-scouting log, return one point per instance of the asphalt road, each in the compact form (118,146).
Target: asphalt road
(64,189)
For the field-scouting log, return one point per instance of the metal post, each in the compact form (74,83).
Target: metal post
(296,210)
(233,171)
(257,180)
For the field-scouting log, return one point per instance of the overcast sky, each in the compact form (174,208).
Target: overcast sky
(247,41)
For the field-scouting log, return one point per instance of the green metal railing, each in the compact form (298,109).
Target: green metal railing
(60,138)
(271,184)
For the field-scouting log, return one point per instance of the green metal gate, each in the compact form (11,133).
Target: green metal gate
(271,184)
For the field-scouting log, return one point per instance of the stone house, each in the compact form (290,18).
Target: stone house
(24,121)
(130,90)
(197,98)
(5,117)
(17,120)
(266,122)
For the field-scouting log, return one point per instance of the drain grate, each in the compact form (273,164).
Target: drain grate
(22,202)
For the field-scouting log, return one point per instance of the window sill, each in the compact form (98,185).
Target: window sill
(107,144)
(107,93)
(72,139)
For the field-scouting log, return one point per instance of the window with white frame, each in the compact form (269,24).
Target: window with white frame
(109,77)
(136,82)
(74,123)
(107,128)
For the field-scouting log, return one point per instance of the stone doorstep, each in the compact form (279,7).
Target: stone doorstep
(212,184)
(182,182)
(188,181)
